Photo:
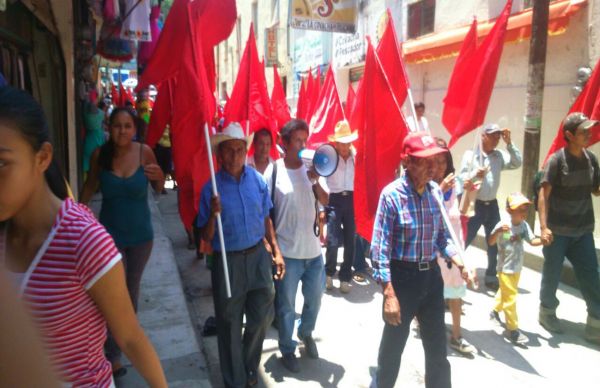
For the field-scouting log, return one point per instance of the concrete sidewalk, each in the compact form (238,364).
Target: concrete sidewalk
(163,313)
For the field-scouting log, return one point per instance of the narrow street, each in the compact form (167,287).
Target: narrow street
(349,329)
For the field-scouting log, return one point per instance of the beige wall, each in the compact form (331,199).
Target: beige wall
(566,53)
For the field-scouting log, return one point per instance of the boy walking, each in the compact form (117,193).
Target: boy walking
(509,237)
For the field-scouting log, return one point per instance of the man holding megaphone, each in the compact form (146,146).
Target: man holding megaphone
(294,190)
(340,212)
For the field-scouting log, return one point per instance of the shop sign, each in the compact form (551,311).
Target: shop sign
(324,15)
(271,46)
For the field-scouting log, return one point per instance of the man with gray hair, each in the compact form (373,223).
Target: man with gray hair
(485,165)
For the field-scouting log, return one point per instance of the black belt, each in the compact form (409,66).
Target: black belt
(421,265)
(487,203)
(343,193)
(243,251)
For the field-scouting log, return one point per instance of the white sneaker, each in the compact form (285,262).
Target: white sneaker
(345,287)
(329,283)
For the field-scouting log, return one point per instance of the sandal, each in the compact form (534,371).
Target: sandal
(119,372)
(358,277)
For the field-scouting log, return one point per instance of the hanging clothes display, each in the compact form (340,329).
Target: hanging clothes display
(136,26)
(146,49)
(110,45)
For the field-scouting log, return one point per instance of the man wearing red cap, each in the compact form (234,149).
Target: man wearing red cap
(408,233)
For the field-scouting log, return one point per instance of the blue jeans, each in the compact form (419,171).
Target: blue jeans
(581,252)
(361,250)
(488,215)
(312,274)
(421,295)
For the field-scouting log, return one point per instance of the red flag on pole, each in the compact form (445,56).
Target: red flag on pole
(456,98)
(479,83)
(281,111)
(301,106)
(249,100)
(588,103)
(327,113)
(315,94)
(381,130)
(114,95)
(389,53)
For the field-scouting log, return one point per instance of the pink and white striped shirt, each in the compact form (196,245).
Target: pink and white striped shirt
(76,254)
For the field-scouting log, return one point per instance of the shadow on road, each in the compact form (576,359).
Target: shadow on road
(326,373)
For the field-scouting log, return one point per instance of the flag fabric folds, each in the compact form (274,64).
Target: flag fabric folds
(469,99)
(588,103)
(350,98)
(389,53)
(161,113)
(281,110)
(249,103)
(381,130)
(327,113)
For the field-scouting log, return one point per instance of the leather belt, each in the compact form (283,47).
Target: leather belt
(343,193)
(421,265)
(243,251)
(487,203)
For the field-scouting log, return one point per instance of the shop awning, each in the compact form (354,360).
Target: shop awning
(447,43)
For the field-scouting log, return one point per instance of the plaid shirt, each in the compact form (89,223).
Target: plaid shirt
(408,227)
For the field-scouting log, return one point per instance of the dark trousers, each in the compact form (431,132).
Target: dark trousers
(134,260)
(421,294)
(340,225)
(252,294)
(488,215)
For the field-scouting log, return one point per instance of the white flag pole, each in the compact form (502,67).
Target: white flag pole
(219,222)
(413,110)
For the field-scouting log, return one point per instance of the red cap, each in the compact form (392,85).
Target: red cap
(420,145)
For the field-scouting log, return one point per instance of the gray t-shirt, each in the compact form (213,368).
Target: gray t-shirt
(570,210)
(510,249)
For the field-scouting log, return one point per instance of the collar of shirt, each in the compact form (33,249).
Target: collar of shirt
(343,177)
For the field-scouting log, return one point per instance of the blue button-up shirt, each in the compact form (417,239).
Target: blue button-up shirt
(496,161)
(408,227)
(244,207)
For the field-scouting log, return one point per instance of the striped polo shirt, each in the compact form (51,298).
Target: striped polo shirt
(76,254)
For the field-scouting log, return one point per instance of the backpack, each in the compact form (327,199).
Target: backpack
(537,180)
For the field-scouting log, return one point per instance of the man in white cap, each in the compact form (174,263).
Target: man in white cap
(340,211)
(487,212)
(244,204)
(566,214)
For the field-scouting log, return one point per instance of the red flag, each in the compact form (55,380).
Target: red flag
(281,111)
(124,96)
(215,19)
(249,100)
(588,103)
(314,95)
(301,106)
(381,130)
(455,98)
(114,95)
(350,98)
(327,113)
(479,83)
(389,53)
(161,113)
(310,100)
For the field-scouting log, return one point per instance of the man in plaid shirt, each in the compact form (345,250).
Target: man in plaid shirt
(408,233)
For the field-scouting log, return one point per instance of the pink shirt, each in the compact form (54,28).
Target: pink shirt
(76,254)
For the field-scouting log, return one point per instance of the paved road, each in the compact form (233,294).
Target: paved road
(349,329)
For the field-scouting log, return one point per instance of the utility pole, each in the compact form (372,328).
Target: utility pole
(535,98)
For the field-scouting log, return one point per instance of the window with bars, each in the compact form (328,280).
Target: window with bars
(421,18)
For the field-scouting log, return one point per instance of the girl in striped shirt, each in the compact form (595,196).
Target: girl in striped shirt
(61,260)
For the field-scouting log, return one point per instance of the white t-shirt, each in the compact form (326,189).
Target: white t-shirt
(343,178)
(294,204)
(268,171)
(423,124)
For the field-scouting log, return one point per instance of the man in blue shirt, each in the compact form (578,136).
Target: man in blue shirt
(408,234)
(244,204)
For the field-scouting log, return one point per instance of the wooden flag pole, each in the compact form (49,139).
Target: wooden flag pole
(219,222)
